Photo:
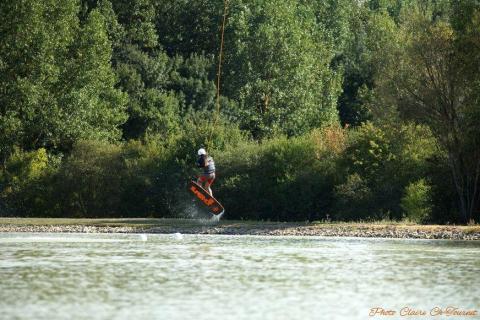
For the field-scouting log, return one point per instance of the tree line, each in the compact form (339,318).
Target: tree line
(338,109)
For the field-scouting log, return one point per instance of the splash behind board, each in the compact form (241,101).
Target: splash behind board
(205,198)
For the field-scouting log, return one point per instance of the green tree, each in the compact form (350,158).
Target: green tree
(56,79)
(372,35)
(277,66)
(138,20)
(35,39)
(163,89)
(432,81)
(151,106)
(189,27)
(93,107)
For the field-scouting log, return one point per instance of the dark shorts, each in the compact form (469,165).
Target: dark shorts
(208,177)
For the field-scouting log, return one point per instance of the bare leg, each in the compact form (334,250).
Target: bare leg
(208,183)
(207,187)
(204,184)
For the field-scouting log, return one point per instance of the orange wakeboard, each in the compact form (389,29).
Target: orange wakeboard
(204,197)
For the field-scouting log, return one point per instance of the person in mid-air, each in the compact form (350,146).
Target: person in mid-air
(208,175)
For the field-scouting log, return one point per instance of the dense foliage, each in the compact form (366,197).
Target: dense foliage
(338,109)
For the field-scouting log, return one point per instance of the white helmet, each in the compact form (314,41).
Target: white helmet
(201,151)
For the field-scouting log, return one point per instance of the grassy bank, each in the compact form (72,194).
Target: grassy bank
(191,226)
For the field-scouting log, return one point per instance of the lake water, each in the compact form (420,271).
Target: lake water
(101,276)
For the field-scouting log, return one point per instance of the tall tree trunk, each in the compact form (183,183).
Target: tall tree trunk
(459,187)
(473,204)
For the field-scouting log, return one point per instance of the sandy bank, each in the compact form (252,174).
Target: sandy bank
(241,228)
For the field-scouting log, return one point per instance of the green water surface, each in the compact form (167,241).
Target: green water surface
(131,276)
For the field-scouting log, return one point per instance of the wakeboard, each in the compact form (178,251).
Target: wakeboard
(204,197)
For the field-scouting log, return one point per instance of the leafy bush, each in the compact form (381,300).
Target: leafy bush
(416,202)
(356,175)
(354,199)
(102,179)
(25,182)
(281,178)
(382,160)
(90,180)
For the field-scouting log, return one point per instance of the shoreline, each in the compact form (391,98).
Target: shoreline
(225,227)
